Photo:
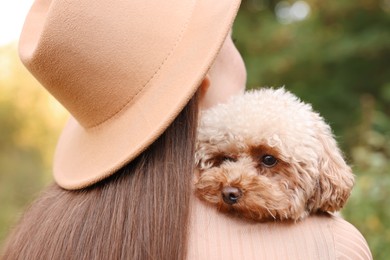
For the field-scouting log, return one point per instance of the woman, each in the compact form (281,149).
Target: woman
(133,74)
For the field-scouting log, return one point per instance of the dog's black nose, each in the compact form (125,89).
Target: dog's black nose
(231,195)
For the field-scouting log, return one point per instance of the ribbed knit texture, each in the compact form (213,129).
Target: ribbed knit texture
(217,236)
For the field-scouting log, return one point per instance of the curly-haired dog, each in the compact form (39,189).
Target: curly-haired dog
(267,155)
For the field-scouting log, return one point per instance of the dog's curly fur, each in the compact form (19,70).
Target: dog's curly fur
(267,155)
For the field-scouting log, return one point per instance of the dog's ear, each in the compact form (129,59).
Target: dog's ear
(335,176)
(204,154)
(199,157)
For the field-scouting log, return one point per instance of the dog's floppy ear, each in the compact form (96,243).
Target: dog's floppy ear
(203,154)
(335,176)
(199,157)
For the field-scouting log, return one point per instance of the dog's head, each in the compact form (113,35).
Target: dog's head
(268,155)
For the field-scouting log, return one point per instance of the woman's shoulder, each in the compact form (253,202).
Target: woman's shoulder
(348,241)
(214,235)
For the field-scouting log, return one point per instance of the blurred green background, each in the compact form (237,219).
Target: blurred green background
(333,54)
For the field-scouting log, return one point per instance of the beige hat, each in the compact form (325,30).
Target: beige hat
(123,69)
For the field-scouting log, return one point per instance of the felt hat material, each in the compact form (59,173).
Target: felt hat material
(123,69)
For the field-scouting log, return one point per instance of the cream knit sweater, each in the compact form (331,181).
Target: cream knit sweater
(217,236)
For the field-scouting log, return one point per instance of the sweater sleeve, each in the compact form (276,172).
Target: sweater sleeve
(214,235)
(349,242)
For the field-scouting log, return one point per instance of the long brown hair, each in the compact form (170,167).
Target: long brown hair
(141,212)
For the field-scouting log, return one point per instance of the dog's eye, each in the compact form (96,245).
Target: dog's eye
(218,160)
(228,159)
(269,160)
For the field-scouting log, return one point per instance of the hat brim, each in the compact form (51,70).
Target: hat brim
(86,156)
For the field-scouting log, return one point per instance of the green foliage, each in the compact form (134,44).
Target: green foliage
(338,59)
(21,166)
(29,126)
(368,208)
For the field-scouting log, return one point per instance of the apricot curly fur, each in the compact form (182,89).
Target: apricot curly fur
(310,174)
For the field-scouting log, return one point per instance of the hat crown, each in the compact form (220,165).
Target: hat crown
(99,59)
(124,69)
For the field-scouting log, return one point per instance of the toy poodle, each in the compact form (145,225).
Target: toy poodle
(266,155)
